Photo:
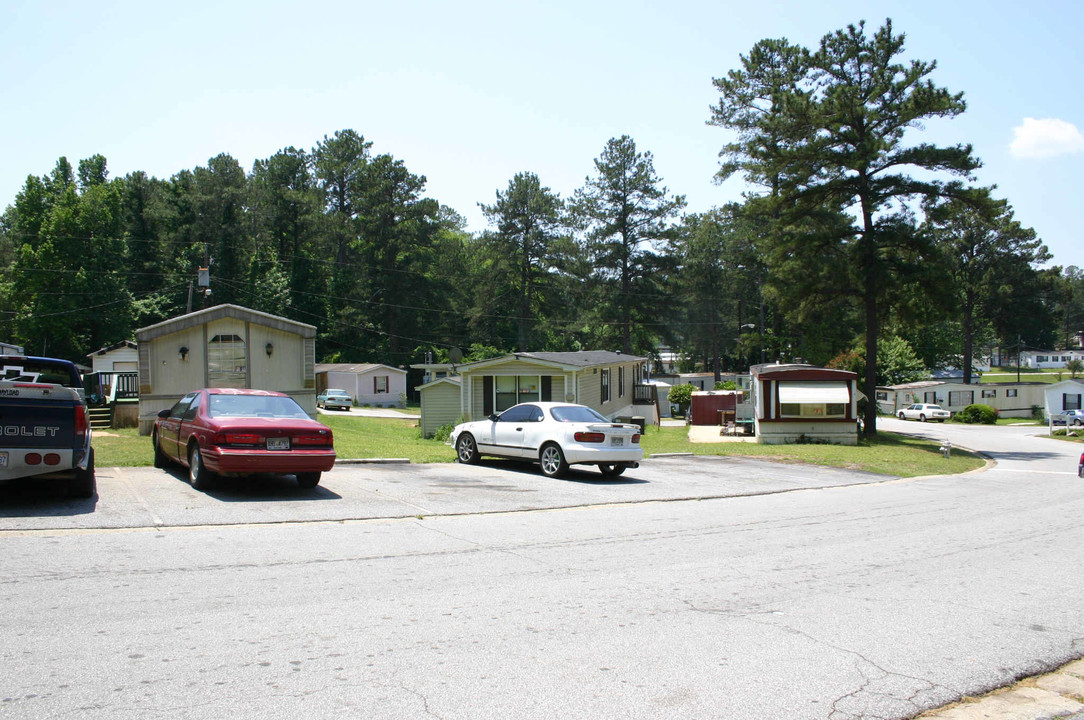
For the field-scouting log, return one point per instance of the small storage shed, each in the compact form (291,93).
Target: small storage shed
(714,407)
(440,404)
(224,346)
(119,357)
(802,402)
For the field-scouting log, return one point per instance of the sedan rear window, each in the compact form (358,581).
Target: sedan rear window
(255,406)
(576,413)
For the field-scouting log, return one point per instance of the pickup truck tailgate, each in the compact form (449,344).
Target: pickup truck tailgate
(32,416)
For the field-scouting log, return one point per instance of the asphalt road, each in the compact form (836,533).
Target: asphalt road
(690,588)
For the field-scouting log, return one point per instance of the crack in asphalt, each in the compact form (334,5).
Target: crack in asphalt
(838,713)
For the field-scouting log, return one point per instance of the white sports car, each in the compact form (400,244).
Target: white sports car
(555,435)
(923,412)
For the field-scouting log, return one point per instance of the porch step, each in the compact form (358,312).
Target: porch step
(101,418)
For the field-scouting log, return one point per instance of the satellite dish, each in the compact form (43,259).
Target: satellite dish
(455,355)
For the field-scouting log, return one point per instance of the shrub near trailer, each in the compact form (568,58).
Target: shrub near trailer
(977,414)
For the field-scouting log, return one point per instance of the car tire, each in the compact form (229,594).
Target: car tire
(84,485)
(308,480)
(466,449)
(902,416)
(610,469)
(160,459)
(1077,422)
(199,477)
(922,418)
(552,460)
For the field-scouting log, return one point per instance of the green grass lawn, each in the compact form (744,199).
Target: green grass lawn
(361,437)
(1008,374)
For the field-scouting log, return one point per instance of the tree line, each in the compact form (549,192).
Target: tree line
(857,240)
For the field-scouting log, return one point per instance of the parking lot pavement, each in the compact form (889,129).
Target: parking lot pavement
(150,497)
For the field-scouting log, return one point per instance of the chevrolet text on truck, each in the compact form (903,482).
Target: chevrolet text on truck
(44,426)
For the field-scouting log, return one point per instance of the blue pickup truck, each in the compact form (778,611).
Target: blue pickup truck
(44,426)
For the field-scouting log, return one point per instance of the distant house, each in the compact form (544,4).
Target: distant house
(1049,359)
(224,346)
(9,349)
(1010,399)
(795,402)
(366,383)
(1062,396)
(610,382)
(112,385)
(118,357)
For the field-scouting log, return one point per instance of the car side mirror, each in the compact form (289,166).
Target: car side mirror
(493,417)
(164,413)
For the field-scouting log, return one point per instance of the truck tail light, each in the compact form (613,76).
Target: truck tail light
(82,425)
(590,437)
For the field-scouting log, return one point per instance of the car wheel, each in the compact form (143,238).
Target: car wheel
(611,470)
(922,418)
(160,459)
(552,460)
(902,416)
(1078,422)
(466,449)
(308,480)
(84,485)
(199,477)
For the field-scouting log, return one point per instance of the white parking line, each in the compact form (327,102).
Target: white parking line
(131,486)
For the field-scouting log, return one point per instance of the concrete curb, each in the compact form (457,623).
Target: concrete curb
(1056,694)
(373,461)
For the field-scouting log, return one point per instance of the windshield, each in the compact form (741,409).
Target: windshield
(272,406)
(576,413)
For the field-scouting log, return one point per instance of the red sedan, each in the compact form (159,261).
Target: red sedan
(226,431)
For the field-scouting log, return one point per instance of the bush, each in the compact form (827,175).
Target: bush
(976,414)
(682,396)
(443,432)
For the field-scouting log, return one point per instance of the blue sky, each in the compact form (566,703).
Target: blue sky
(470,93)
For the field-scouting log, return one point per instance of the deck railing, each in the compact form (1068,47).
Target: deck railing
(645,395)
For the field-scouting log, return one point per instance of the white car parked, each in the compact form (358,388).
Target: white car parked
(923,412)
(555,435)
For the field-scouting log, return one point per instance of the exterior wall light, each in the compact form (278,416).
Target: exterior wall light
(269,348)
(182,352)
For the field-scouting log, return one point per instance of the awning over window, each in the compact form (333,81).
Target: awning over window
(813,392)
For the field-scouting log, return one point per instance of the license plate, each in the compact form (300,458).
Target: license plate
(3,459)
(617,441)
(278,443)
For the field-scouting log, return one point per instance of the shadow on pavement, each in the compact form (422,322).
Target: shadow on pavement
(257,488)
(29,497)
(584,474)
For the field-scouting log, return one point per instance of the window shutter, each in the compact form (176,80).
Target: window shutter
(547,388)
(487,395)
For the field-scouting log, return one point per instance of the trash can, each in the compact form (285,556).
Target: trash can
(639,420)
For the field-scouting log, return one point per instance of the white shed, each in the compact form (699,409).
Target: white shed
(118,357)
